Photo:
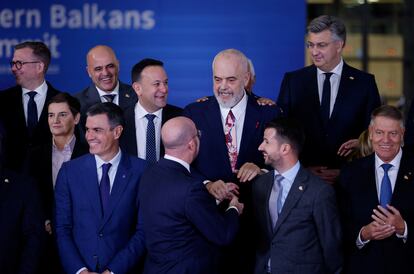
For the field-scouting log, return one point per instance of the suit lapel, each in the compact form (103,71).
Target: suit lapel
(89,179)
(404,178)
(251,128)
(120,183)
(21,119)
(368,183)
(343,88)
(296,191)
(267,188)
(92,96)
(312,91)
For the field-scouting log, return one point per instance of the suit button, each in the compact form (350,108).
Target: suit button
(100,234)
(95,257)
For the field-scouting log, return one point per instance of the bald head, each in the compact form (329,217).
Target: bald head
(178,135)
(103,67)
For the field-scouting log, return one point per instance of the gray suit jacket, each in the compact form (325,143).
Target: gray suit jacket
(307,235)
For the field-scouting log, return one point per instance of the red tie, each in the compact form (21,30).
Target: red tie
(231,140)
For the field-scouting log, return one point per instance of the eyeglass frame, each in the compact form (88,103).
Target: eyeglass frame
(19,64)
(320,45)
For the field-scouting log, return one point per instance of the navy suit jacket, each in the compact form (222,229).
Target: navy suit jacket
(357,98)
(129,138)
(90,96)
(409,130)
(17,140)
(22,233)
(307,234)
(358,197)
(213,160)
(86,237)
(182,223)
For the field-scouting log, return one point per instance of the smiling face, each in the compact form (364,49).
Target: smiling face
(230,76)
(152,88)
(103,68)
(102,139)
(271,148)
(386,136)
(30,75)
(61,120)
(324,50)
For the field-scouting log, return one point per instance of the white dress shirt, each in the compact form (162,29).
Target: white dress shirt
(239,112)
(114,92)
(39,99)
(335,79)
(141,123)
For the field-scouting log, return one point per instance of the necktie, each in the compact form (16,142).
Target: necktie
(231,139)
(31,112)
(275,200)
(151,154)
(326,98)
(386,190)
(105,186)
(109,97)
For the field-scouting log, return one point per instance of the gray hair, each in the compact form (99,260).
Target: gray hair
(327,22)
(238,53)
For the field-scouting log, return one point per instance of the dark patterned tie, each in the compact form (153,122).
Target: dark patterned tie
(109,97)
(151,154)
(386,190)
(105,186)
(31,112)
(231,139)
(326,99)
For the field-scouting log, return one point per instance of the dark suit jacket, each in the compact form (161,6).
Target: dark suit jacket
(213,160)
(129,138)
(409,130)
(86,237)
(39,167)
(22,224)
(90,96)
(18,140)
(307,234)
(357,98)
(358,197)
(182,223)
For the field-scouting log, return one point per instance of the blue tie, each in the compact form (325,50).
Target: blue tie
(31,112)
(151,155)
(105,186)
(275,200)
(326,99)
(109,97)
(386,190)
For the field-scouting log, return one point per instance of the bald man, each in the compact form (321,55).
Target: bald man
(182,224)
(103,69)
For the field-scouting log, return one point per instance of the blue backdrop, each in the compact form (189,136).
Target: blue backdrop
(184,34)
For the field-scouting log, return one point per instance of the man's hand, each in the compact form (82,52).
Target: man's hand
(202,99)
(85,271)
(235,202)
(346,148)
(376,231)
(248,172)
(262,101)
(48,227)
(106,272)
(326,174)
(390,216)
(221,190)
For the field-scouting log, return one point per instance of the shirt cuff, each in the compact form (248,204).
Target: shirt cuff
(80,270)
(232,207)
(359,243)
(405,234)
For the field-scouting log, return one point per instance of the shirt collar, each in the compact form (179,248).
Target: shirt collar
(337,70)
(102,93)
(68,146)
(175,159)
(291,173)
(394,162)
(41,90)
(238,110)
(140,111)
(114,161)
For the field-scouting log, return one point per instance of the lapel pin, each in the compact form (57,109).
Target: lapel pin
(123,176)
(257,124)
(6,181)
(127,95)
(351,78)
(405,177)
(301,188)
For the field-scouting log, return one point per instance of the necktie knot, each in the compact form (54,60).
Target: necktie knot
(32,94)
(106,167)
(109,97)
(278,179)
(328,75)
(150,117)
(230,120)
(386,167)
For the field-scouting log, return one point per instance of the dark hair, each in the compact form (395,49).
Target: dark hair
(331,23)
(141,65)
(388,112)
(290,131)
(40,50)
(65,97)
(113,112)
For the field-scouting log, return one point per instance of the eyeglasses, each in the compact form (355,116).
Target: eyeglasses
(321,45)
(198,134)
(19,64)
